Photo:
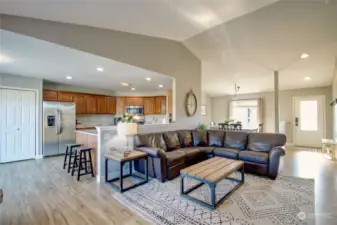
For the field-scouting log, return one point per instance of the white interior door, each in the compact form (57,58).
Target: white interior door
(17,125)
(309,116)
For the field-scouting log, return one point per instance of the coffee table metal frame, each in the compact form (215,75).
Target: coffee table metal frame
(214,204)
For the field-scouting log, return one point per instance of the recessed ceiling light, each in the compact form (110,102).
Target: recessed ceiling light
(148,78)
(100,69)
(5,59)
(125,84)
(132,89)
(160,85)
(304,56)
(69,77)
(307,78)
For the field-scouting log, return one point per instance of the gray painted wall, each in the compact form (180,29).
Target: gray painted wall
(156,54)
(220,107)
(75,88)
(27,83)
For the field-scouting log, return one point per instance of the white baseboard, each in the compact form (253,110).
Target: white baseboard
(39,157)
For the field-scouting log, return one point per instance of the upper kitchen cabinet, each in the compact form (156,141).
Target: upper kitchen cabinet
(120,105)
(160,105)
(79,101)
(101,104)
(134,101)
(149,105)
(50,95)
(65,96)
(90,104)
(111,105)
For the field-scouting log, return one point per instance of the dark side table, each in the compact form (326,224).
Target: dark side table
(122,160)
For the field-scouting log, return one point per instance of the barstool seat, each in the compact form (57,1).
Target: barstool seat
(82,161)
(69,152)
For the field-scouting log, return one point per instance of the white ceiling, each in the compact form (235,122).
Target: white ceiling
(238,41)
(248,49)
(172,19)
(35,58)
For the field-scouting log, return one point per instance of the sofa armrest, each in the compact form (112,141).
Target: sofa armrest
(274,160)
(153,152)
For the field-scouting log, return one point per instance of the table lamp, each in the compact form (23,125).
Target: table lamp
(127,130)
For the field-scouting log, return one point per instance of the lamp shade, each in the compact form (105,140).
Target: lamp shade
(127,128)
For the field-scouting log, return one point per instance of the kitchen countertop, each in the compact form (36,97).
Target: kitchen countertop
(90,132)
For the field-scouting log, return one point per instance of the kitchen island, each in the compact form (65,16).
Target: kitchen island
(89,138)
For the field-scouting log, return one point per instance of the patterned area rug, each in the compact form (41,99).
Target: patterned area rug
(286,200)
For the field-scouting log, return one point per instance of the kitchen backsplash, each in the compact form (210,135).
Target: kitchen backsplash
(156,119)
(103,120)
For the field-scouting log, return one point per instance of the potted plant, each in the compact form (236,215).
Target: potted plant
(202,127)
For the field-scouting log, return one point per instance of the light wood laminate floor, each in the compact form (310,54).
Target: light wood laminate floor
(41,192)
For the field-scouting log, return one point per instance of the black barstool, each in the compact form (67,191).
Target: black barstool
(69,153)
(81,162)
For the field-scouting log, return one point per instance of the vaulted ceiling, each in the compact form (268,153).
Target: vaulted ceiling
(239,41)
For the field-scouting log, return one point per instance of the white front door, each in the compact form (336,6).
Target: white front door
(17,125)
(309,116)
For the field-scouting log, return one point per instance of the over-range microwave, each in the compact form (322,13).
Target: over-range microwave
(135,110)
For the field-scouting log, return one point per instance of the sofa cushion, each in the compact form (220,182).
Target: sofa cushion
(207,150)
(190,153)
(185,138)
(171,140)
(175,157)
(152,140)
(235,140)
(199,138)
(216,138)
(226,152)
(264,142)
(256,157)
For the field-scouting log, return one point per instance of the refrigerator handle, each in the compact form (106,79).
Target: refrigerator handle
(58,127)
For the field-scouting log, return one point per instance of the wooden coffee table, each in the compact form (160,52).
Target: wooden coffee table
(210,172)
(134,155)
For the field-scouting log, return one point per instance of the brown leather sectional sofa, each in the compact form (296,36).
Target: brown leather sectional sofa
(169,152)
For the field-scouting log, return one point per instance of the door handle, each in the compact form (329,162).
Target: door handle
(58,124)
(296,121)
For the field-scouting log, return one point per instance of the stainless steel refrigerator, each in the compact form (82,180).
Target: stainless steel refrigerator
(59,124)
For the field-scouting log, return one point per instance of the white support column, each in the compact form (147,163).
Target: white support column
(276,102)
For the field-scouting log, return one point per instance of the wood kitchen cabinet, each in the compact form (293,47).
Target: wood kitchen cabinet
(50,95)
(90,104)
(80,103)
(101,104)
(149,105)
(110,105)
(120,105)
(160,105)
(65,96)
(134,101)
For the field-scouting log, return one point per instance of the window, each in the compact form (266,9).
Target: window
(308,115)
(245,111)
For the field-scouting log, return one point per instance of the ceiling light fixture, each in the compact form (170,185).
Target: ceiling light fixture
(307,78)
(132,89)
(100,69)
(69,77)
(160,85)
(148,78)
(5,59)
(304,56)
(125,84)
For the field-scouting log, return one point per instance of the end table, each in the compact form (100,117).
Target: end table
(134,155)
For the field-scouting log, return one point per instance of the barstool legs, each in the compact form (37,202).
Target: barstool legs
(65,158)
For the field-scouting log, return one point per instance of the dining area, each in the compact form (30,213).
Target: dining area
(235,127)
